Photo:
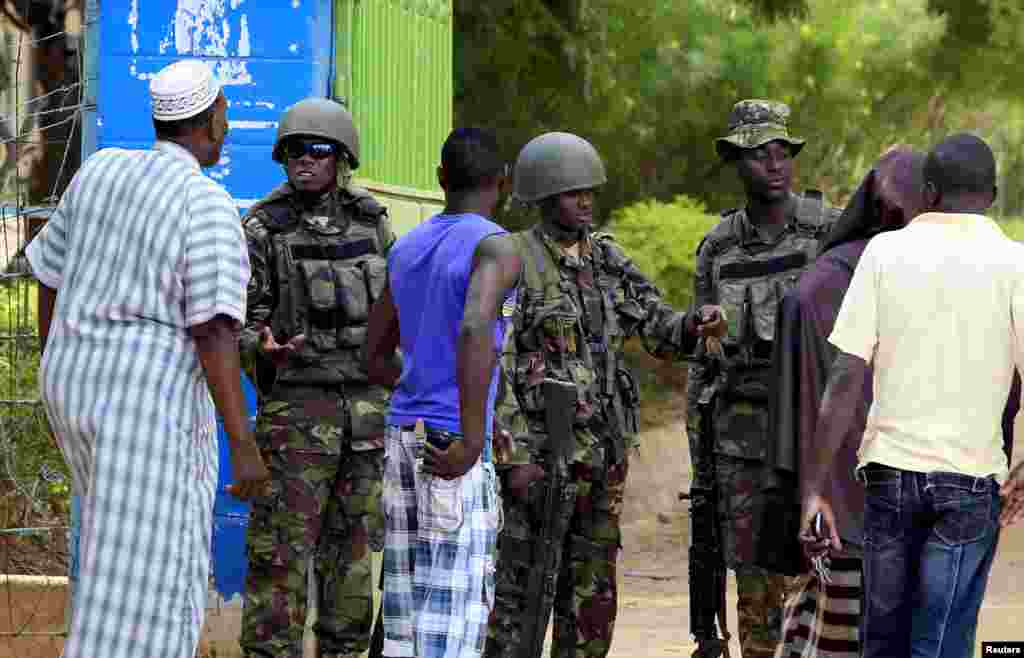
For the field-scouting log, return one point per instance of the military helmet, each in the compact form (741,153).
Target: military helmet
(554,163)
(318,117)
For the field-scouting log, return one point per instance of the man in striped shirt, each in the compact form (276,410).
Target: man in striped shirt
(143,271)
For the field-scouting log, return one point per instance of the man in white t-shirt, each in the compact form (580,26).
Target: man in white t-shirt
(938,310)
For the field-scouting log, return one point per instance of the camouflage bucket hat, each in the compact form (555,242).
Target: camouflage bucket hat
(754,123)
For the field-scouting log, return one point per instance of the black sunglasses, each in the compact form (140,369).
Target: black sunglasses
(297,148)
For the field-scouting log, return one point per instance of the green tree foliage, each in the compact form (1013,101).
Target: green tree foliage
(29,458)
(662,238)
(651,82)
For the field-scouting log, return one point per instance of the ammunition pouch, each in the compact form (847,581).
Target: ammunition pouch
(560,330)
(749,384)
(338,295)
(367,416)
(629,393)
(342,366)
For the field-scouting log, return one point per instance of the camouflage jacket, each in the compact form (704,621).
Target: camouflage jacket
(747,274)
(572,317)
(315,271)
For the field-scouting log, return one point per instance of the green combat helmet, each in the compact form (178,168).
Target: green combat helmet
(554,163)
(319,117)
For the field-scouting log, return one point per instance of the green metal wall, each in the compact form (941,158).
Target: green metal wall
(394,71)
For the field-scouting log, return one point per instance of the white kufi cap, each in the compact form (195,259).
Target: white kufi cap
(183,90)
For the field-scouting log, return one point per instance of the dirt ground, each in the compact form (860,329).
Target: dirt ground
(654,611)
(653,618)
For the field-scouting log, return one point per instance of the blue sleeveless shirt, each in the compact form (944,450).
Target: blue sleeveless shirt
(428,271)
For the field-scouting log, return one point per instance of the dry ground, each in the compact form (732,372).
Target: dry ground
(654,602)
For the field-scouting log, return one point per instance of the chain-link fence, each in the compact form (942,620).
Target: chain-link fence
(41,104)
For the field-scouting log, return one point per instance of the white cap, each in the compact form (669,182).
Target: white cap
(183,90)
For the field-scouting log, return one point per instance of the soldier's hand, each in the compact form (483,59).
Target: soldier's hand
(502,445)
(813,544)
(277,353)
(449,463)
(1012,493)
(251,474)
(711,322)
(520,478)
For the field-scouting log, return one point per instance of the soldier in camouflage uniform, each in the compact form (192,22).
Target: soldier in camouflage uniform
(317,247)
(580,298)
(745,264)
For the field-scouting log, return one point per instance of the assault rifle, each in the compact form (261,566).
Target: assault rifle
(560,411)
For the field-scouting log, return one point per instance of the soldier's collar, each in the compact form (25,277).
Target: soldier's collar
(558,252)
(751,233)
(309,201)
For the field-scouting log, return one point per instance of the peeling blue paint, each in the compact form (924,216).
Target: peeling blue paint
(267,58)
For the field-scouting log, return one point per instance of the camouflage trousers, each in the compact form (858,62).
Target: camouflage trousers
(761,594)
(325,502)
(580,578)
(760,597)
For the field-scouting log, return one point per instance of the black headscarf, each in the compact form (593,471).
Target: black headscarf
(888,197)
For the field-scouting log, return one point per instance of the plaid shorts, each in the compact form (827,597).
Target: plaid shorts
(439,551)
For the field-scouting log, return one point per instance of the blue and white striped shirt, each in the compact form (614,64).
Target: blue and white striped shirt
(141,247)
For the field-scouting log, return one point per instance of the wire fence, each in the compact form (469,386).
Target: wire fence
(41,104)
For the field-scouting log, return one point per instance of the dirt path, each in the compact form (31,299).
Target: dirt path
(654,611)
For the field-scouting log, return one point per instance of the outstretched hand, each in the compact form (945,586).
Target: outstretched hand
(279,354)
(711,322)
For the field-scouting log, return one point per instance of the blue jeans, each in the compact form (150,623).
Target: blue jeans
(929,540)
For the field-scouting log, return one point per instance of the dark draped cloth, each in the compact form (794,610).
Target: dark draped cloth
(802,360)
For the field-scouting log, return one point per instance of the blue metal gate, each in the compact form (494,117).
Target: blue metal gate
(268,54)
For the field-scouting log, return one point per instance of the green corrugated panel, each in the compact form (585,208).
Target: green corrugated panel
(394,70)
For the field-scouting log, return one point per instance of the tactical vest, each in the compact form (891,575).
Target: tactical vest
(749,281)
(327,280)
(571,332)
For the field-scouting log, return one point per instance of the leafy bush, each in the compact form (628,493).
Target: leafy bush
(29,459)
(662,239)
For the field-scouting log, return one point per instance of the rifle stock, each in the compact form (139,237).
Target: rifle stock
(707,572)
